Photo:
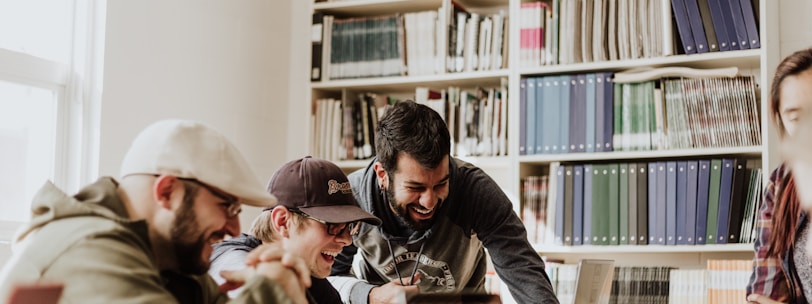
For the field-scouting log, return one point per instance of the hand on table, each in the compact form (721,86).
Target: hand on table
(394,291)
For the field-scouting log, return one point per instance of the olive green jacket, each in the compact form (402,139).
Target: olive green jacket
(88,243)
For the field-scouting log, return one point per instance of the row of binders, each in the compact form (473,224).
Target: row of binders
(716,25)
(592,113)
(682,202)
(449,39)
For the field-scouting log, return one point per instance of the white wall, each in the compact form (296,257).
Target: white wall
(224,63)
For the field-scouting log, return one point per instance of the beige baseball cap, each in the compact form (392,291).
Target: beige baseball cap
(189,149)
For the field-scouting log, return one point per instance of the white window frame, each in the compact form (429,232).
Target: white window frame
(78,87)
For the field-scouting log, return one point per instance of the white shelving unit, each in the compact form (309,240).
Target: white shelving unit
(509,170)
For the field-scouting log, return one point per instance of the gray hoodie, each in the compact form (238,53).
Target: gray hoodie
(476,216)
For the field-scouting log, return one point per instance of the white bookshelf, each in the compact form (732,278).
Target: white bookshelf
(509,170)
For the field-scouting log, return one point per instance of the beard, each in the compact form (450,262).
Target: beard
(402,210)
(188,248)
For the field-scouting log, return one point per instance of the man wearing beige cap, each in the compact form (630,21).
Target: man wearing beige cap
(316,217)
(145,238)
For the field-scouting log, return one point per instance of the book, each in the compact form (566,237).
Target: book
(682,203)
(707,24)
(523,119)
(652,203)
(608,111)
(589,119)
(661,221)
(642,203)
(559,204)
(671,211)
(569,198)
(565,98)
(529,196)
(683,26)
(623,203)
(316,39)
(725,194)
(632,174)
(697,27)
(532,103)
(733,33)
(750,23)
(577,121)
(577,204)
(541,102)
(713,200)
(702,193)
(551,122)
(738,22)
(586,238)
(599,105)
(719,25)
(691,186)
(737,201)
(614,204)
(600,204)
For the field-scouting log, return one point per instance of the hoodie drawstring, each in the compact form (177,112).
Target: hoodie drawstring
(416,262)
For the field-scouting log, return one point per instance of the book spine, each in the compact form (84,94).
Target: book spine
(586,238)
(578,205)
(702,192)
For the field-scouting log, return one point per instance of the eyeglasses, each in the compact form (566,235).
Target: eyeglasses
(333,229)
(230,202)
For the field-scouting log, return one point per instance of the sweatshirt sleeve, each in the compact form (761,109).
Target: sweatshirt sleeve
(351,289)
(490,214)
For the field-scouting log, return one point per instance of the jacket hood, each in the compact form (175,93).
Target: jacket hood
(97,199)
(245,242)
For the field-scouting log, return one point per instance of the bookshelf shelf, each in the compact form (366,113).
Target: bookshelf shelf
(754,151)
(591,249)
(408,83)
(352,164)
(744,59)
(382,7)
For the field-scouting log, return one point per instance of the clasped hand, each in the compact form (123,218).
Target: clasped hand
(273,262)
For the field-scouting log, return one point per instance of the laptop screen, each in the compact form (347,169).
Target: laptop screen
(593,284)
(465,298)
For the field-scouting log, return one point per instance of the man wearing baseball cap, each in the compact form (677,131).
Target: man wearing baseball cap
(145,238)
(315,218)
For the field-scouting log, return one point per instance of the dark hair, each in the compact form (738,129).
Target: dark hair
(786,214)
(414,129)
(787,210)
(792,65)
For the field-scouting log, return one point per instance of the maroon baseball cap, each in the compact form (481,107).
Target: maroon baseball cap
(319,189)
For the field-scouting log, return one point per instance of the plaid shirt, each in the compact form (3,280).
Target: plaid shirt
(773,277)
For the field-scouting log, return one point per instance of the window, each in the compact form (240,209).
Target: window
(50,88)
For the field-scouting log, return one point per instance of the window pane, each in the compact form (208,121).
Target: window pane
(41,28)
(27,136)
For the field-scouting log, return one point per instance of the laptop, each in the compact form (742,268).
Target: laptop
(593,285)
(457,298)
